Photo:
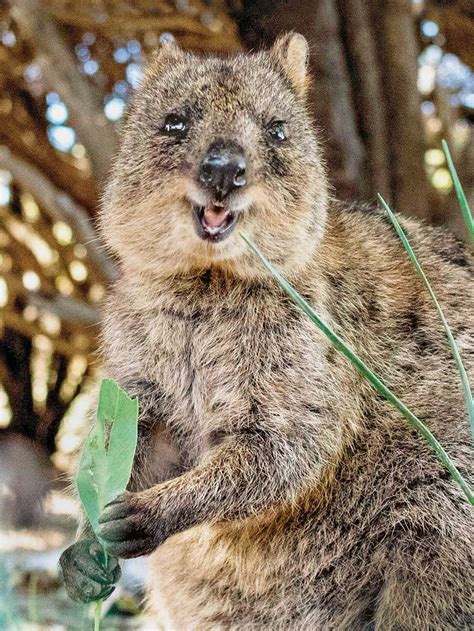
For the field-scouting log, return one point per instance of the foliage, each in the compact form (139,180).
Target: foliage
(107,458)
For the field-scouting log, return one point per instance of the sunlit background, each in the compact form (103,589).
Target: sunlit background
(61,106)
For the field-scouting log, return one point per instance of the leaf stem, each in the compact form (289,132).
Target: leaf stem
(98,614)
(98,605)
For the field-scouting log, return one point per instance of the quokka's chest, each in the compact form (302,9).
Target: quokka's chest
(221,361)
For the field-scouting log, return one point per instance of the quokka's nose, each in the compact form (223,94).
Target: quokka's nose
(223,169)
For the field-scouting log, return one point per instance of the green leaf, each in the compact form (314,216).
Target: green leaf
(91,475)
(365,371)
(466,211)
(449,335)
(122,445)
(105,469)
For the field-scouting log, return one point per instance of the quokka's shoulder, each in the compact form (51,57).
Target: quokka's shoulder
(370,226)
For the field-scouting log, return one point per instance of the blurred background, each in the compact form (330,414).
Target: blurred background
(390,80)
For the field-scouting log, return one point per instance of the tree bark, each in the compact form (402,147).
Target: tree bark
(394,26)
(367,87)
(56,407)
(456,21)
(16,352)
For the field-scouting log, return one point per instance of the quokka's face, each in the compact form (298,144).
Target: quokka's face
(212,148)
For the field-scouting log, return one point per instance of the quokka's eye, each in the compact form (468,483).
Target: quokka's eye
(277,130)
(175,125)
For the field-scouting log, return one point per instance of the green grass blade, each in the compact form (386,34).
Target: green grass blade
(466,211)
(449,335)
(365,371)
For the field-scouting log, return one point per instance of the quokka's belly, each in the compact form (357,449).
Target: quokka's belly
(178,575)
(224,577)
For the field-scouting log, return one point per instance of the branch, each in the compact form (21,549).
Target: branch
(66,308)
(16,323)
(62,74)
(60,207)
(457,25)
(218,35)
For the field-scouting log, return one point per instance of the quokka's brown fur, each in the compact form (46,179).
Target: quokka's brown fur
(277,489)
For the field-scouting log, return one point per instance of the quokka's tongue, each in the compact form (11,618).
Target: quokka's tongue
(215,216)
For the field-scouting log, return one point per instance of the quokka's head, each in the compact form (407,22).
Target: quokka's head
(214,147)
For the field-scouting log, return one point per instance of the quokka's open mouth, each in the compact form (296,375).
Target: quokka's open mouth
(214,222)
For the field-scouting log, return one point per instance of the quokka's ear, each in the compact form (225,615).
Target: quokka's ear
(167,51)
(292,53)
(168,44)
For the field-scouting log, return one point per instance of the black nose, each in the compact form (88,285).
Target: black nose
(223,169)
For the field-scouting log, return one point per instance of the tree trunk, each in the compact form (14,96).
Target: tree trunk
(16,353)
(367,87)
(394,26)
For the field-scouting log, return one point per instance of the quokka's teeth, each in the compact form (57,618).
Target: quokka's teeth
(215,217)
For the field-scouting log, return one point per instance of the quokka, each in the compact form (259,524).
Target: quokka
(272,487)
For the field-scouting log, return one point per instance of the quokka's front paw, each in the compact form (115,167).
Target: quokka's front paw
(130,526)
(87,574)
